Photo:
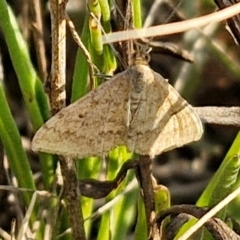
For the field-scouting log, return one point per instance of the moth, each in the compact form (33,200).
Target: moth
(137,108)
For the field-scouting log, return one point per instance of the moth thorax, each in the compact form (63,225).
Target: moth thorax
(140,59)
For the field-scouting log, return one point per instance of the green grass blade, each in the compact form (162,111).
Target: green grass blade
(123,213)
(233,208)
(221,184)
(88,168)
(28,80)
(119,218)
(12,144)
(140,232)
(31,87)
(137,13)
(104,229)
(81,75)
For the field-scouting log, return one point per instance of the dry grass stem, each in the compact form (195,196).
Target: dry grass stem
(79,42)
(210,214)
(173,28)
(219,115)
(57,101)
(38,35)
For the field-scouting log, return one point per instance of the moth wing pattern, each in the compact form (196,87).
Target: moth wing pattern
(164,120)
(91,126)
(137,108)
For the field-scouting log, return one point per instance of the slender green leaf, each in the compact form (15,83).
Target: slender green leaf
(221,184)
(11,140)
(31,86)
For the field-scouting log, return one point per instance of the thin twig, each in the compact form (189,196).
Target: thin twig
(106,207)
(26,219)
(58,69)
(93,188)
(57,101)
(79,42)
(130,187)
(233,23)
(5,235)
(172,28)
(218,228)
(219,115)
(38,35)
(145,182)
(210,214)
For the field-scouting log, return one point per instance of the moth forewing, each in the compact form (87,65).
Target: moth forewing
(92,125)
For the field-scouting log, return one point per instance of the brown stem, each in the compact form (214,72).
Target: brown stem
(38,35)
(58,69)
(57,101)
(145,181)
(72,194)
(93,188)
